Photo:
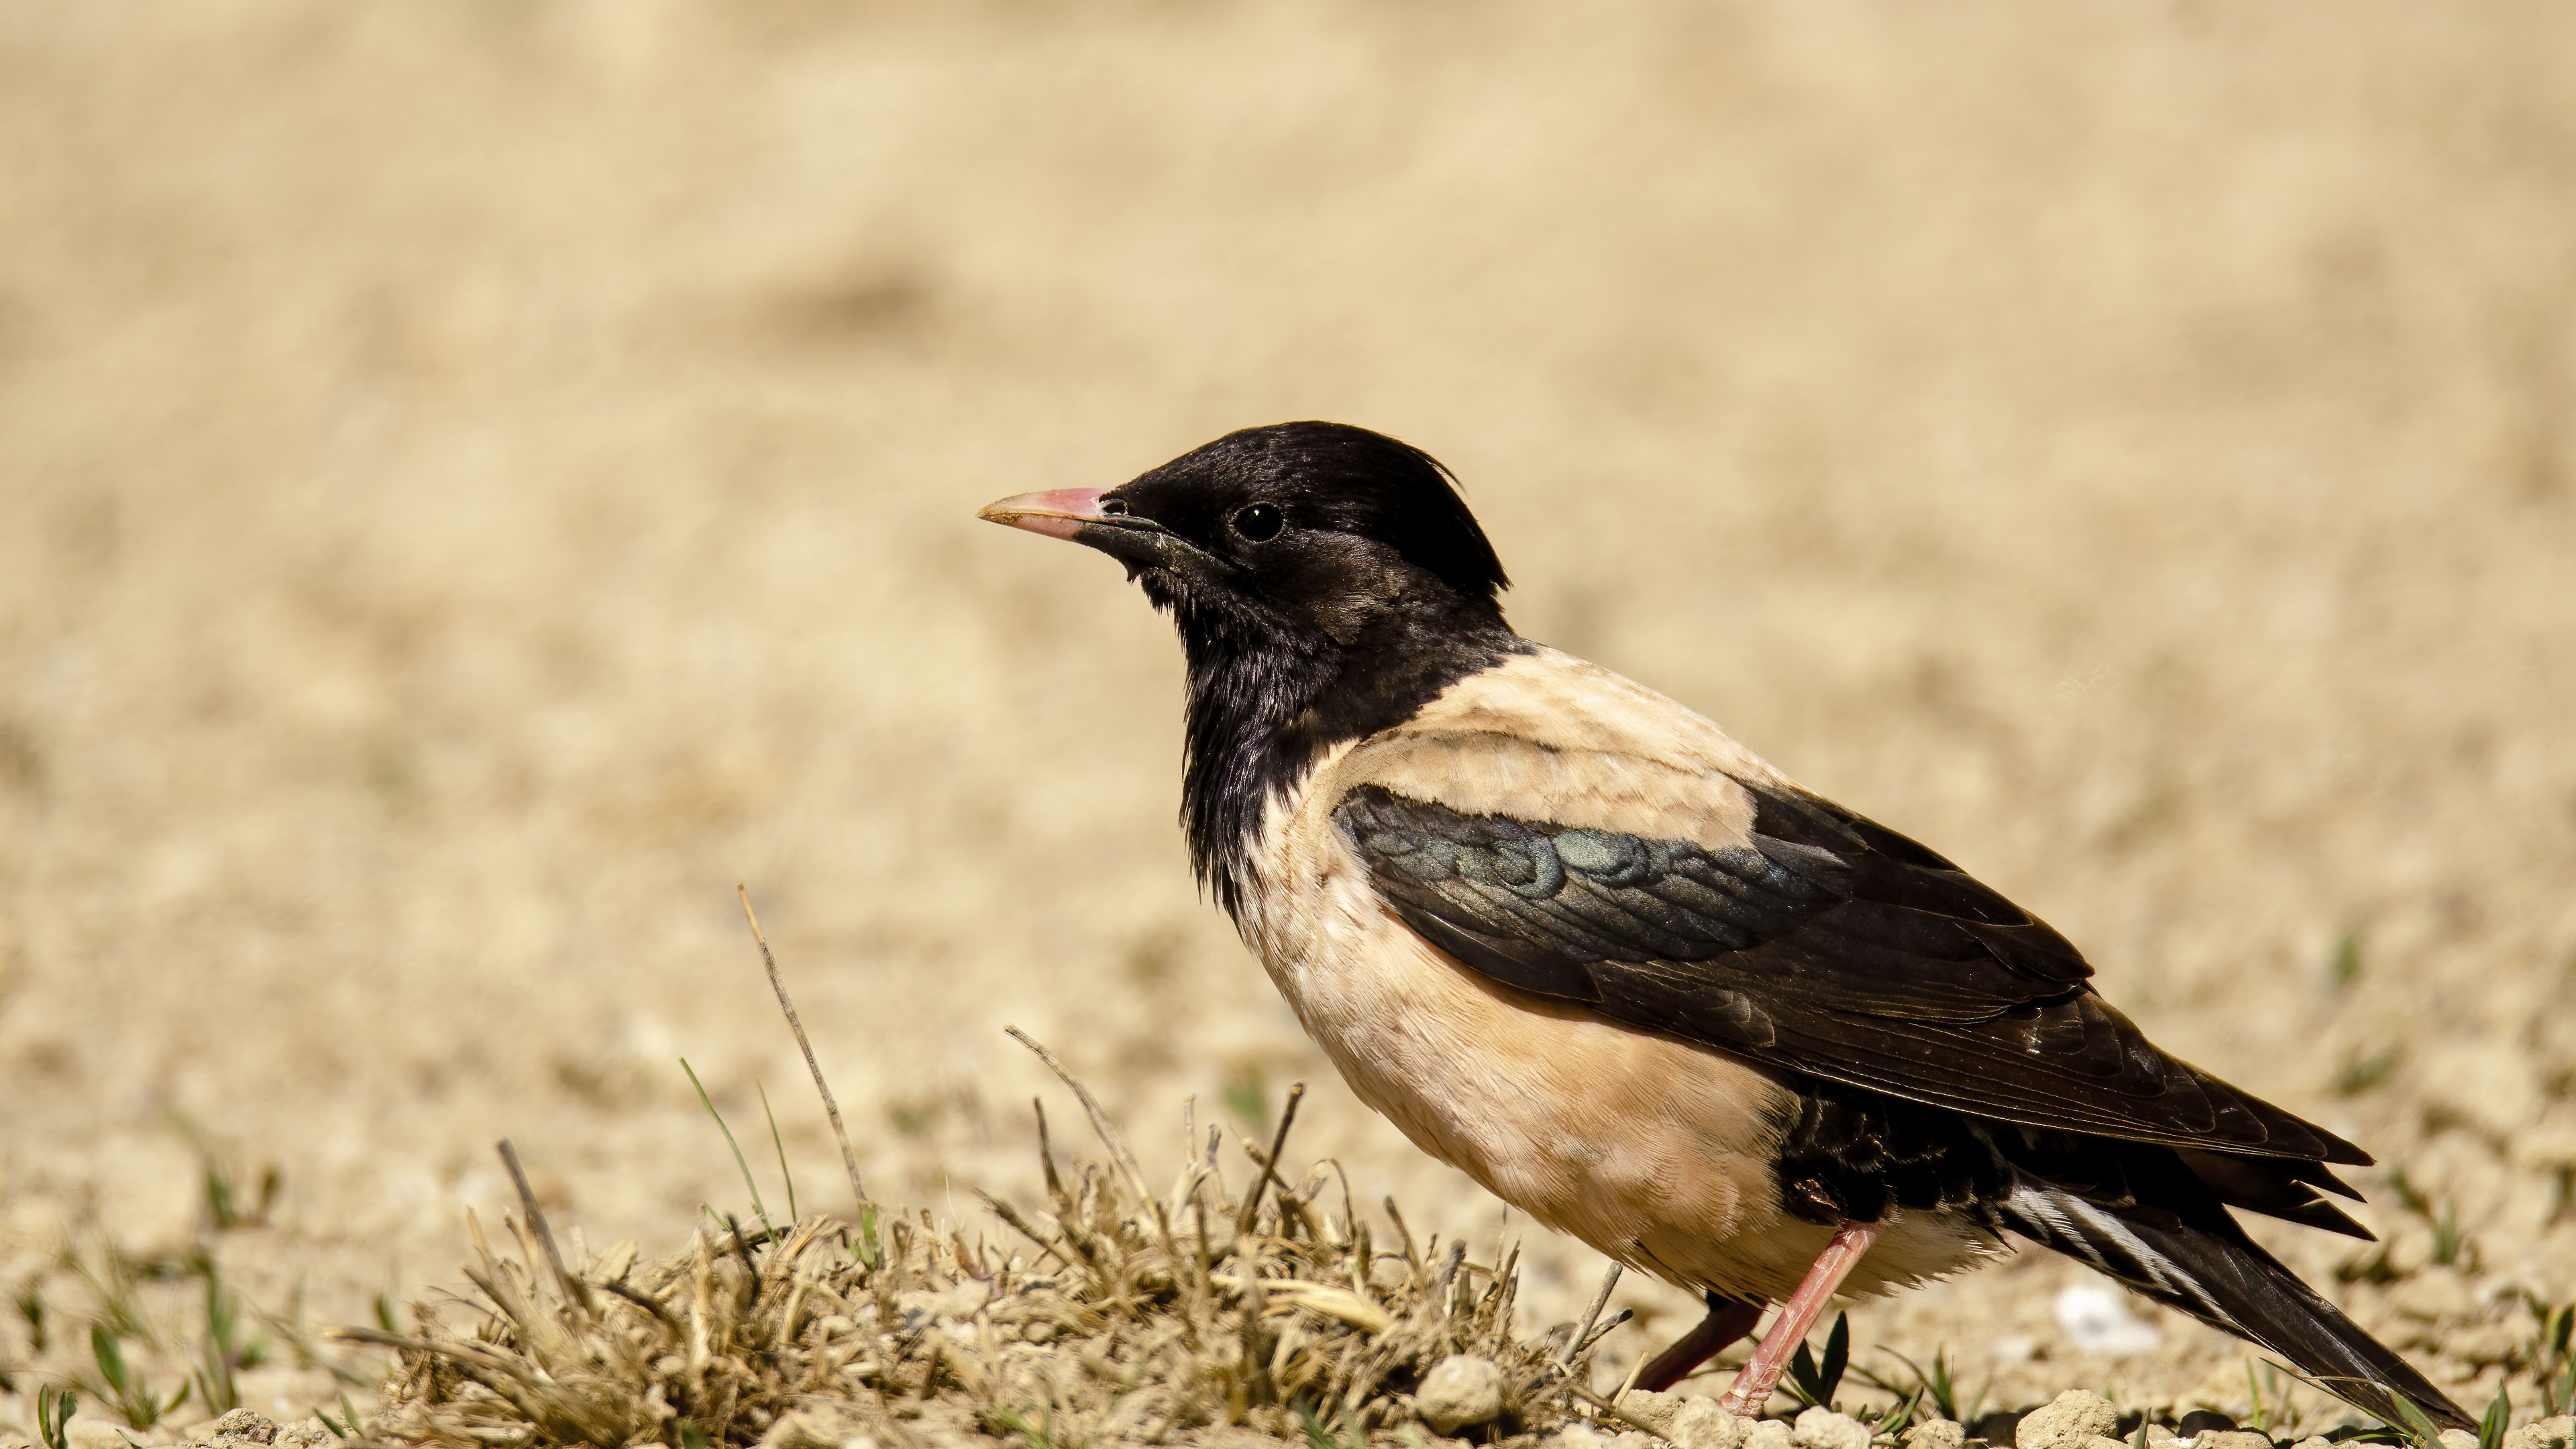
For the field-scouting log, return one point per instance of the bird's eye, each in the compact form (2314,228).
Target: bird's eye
(1259,522)
(1113,507)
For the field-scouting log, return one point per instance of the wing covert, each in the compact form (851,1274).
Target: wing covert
(1823,943)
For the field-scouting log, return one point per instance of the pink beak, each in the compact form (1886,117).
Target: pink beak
(1059,513)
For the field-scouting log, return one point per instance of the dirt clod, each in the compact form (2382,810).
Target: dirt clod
(1461,1390)
(2555,1432)
(1822,1428)
(1702,1423)
(1767,1434)
(243,1426)
(2072,1420)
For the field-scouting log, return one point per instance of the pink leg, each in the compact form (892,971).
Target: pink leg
(1752,1387)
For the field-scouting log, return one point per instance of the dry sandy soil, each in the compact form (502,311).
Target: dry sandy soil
(479,481)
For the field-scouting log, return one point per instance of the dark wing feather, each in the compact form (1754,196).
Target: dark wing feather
(1828,945)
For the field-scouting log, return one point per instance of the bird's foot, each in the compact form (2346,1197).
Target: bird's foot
(1728,1320)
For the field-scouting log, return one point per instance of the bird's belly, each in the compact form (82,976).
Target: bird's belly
(1657,1153)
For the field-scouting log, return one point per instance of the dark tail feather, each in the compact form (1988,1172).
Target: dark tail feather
(2199,1261)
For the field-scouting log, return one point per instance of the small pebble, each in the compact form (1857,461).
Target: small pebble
(247,1426)
(1767,1434)
(306,1434)
(1460,1390)
(1650,1411)
(1937,1434)
(2459,1439)
(1822,1428)
(2552,1433)
(2072,1420)
(1702,1423)
(2239,1439)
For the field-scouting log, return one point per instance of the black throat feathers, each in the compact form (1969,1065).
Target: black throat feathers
(1265,705)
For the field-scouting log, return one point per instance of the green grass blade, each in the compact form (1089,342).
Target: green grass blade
(54,1410)
(1900,1416)
(2498,1418)
(740,1165)
(1837,1358)
(870,1251)
(1805,1382)
(1934,1385)
(2419,1425)
(1320,1435)
(111,1359)
(785,1172)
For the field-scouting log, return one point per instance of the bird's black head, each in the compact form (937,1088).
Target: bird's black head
(1301,534)
(1327,582)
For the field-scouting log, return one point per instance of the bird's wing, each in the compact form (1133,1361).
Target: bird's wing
(1816,941)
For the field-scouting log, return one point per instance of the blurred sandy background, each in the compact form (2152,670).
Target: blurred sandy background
(481,480)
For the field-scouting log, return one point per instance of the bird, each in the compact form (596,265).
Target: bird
(1577,942)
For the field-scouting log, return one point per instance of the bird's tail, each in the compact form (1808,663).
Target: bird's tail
(2198,1260)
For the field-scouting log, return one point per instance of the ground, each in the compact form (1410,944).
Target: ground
(480,481)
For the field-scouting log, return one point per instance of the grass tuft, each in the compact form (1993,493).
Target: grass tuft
(1934,1387)
(1125,1316)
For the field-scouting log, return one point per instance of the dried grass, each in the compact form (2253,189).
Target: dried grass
(1114,1316)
